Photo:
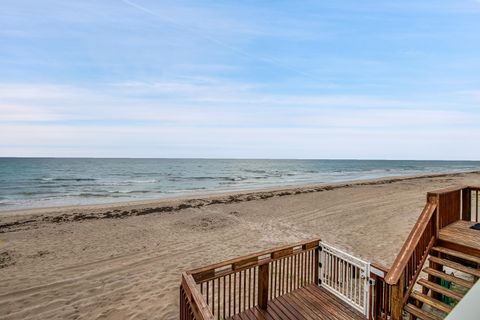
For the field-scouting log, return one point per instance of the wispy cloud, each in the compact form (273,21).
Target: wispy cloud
(209,103)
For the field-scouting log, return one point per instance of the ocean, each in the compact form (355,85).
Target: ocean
(45,182)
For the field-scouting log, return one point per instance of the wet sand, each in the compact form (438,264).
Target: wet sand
(123,261)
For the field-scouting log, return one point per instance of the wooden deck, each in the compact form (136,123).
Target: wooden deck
(282,283)
(311,302)
(459,232)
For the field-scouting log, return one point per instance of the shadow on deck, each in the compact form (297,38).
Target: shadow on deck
(311,302)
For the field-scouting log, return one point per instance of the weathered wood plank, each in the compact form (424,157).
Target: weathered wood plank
(448,277)
(438,288)
(456,266)
(307,303)
(460,233)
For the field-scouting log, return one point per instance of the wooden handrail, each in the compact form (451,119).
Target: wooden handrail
(409,246)
(255,259)
(224,289)
(193,301)
(380,267)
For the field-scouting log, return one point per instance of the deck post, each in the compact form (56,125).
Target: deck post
(466,204)
(432,197)
(397,298)
(263,271)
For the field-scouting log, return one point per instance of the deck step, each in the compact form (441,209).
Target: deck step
(438,288)
(457,254)
(421,314)
(456,266)
(431,301)
(439,274)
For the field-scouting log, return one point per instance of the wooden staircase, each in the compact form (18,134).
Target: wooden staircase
(457,268)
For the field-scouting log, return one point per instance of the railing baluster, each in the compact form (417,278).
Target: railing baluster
(275,276)
(244,289)
(282,265)
(270,281)
(476,207)
(234,294)
(310,266)
(239,291)
(223,312)
(255,285)
(250,290)
(229,295)
(218,298)
(213,297)
(303,268)
(297,271)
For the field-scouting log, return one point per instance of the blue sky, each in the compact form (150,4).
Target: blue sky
(240,79)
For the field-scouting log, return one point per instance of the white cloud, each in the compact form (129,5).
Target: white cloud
(212,119)
(154,141)
(210,103)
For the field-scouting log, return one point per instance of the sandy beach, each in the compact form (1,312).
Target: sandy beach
(123,261)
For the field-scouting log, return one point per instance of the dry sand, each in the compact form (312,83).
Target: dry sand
(124,261)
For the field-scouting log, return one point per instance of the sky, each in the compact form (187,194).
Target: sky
(240,79)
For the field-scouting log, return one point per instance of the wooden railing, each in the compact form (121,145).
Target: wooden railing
(192,305)
(380,293)
(448,204)
(408,264)
(470,204)
(443,207)
(222,290)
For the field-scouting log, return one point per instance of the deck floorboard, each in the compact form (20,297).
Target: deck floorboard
(308,303)
(459,232)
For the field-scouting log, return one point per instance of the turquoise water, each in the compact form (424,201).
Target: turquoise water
(44,182)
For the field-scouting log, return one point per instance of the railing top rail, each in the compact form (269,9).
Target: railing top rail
(380,267)
(409,246)
(248,261)
(450,189)
(199,306)
(344,255)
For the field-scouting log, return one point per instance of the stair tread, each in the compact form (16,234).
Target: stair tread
(455,265)
(419,313)
(431,301)
(438,288)
(457,254)
(439,274)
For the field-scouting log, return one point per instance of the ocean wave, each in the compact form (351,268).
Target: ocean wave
(254,171)
(65,179)
(128,191)
(173,179)
(142,181)
(33,193)
(99,195)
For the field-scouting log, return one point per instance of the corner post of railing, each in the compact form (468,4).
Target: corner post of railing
(432,198)
(316,276)
(397,297)
(373,298)
(466,204)
(263,271)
